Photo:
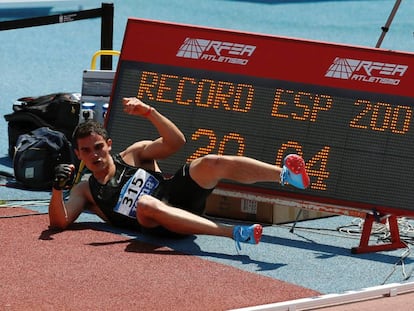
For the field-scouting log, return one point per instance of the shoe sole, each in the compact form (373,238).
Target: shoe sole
(258,230)
(297,166)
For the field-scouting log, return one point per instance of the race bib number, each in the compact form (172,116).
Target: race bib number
(141,183)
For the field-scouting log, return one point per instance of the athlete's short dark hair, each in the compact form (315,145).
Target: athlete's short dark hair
(87,128)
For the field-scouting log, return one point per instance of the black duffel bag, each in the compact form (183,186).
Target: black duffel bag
(36,155)
(57,111)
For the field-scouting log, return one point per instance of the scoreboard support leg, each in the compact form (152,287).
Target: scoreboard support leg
(364,246)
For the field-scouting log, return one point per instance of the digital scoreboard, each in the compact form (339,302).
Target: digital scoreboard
(347,110)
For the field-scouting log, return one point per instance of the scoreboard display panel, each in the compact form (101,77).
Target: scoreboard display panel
(347,110)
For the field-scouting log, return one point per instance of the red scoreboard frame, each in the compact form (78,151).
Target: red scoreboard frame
(347,110)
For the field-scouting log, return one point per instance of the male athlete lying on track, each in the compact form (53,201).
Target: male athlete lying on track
(128,189)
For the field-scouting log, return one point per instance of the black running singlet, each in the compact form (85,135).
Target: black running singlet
(107,196)
(179,191)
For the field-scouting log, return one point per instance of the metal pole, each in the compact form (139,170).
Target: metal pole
(107,34)
(388,23)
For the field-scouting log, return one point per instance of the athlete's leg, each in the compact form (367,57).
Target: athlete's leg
(207,171)
(152,213)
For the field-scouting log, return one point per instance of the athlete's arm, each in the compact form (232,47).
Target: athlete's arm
(171,138)
(61,213)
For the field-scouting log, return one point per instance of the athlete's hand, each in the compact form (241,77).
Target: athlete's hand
(134,106)
(63,176)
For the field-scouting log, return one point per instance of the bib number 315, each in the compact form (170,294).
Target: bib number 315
(141,183)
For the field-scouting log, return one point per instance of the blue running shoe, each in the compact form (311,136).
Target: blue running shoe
(294,172)
(247,234)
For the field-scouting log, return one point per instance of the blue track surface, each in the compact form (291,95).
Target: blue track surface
(41,60)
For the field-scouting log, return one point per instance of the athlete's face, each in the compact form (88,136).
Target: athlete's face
(94,151)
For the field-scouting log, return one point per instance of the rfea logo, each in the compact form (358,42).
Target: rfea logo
(216,51)
(366,71)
